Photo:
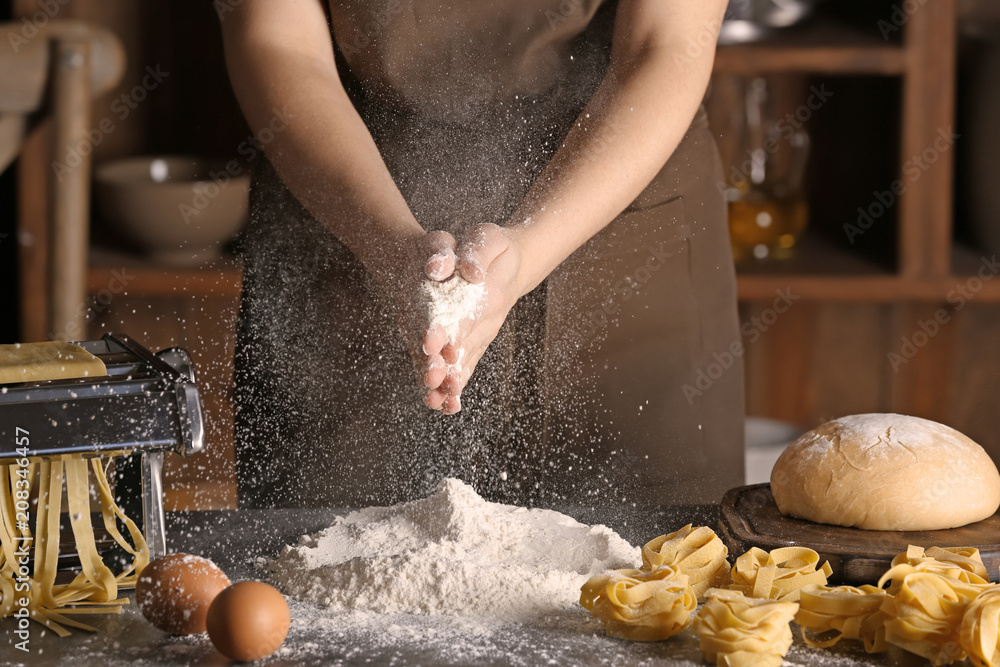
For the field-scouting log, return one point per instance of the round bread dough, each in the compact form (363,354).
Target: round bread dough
(886,472)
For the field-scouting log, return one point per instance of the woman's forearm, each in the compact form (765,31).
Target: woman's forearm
(325,154)
(635,121)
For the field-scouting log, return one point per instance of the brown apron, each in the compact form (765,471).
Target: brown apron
(596,390)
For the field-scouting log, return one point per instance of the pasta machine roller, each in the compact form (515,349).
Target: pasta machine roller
(146,405)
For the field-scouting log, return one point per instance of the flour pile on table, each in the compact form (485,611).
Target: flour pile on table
(450,553)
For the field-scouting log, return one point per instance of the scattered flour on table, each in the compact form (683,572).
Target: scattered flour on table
(451,553)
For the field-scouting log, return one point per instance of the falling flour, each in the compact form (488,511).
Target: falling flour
(451,553)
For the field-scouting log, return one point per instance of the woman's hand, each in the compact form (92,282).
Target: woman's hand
(281,59)
(487,254)
(429,256)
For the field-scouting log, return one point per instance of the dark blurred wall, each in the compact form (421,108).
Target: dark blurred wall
(8,259)
(174,97)
(8,245)
(188,107)
(190,110)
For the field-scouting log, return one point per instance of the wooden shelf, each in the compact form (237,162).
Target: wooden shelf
(109,268)
(823,47)
(817,256)
(862,289)
(825,272)
(200,495)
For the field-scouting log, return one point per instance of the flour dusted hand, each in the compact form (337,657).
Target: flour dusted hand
(426,258)
(449,317)
(450,305)
(488,258)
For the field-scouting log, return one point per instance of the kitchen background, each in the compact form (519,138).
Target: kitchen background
(861,150)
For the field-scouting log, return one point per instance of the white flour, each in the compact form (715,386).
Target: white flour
(452,553)
(451,302)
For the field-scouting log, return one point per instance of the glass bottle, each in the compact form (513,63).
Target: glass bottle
(767,207)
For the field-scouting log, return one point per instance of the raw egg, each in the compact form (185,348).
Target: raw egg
(175,591)
(248,621)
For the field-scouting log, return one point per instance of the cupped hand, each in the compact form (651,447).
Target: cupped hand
(486,254)
(427,257)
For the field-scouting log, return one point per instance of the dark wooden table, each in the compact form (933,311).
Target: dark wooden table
(237,539)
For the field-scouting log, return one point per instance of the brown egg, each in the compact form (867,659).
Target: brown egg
(175,591)
(248,621)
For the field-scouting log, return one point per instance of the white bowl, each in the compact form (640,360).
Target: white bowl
(179,211)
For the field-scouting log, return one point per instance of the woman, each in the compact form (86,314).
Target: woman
(544,148)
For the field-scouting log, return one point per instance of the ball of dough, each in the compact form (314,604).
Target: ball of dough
(886,472)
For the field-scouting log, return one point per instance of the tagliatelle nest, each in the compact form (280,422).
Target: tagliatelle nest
(778,575)
(638,605)
(696,552)
(925,617)
(845,611)
(980,631)
(737,631)
(961,563)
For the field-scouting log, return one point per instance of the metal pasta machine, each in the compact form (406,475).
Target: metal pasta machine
(147,404)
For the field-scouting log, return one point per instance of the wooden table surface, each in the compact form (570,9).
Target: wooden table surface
(236,539)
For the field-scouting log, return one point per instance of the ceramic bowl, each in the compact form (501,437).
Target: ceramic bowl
(178,211)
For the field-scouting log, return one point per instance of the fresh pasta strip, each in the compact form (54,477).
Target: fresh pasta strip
(778,575)
(844,611)
(980,631)
(967,558)
(962,563)
(78,501)
(109,512)
(47,530)
(9,544)
(926,616)
(641,606)
(697,552)
(95,589)
(737,631)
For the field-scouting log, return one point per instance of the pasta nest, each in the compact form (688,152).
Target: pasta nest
(696,552)
(926,616)
(980,631)
(638,605)
(846,612)
(737,631)
(779,574)
(961,563)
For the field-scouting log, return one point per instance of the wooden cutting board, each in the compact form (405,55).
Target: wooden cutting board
(749,517)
